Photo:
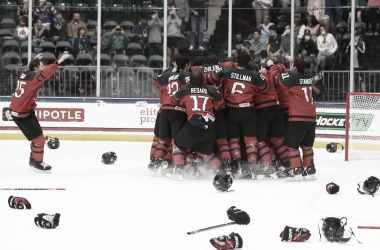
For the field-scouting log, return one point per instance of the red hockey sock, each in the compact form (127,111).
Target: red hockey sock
(224,149)
(154,146)
(178,155)
(169,155)
(235,148)
(162,147)
(308,155)
(264,153)
(211,160)
(279,147)
(251,148)
(270,146)
(37,147)
(294,157)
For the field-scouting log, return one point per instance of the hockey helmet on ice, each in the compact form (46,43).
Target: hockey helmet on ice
(370,186)
(334,231)
(222,182)
(53,142)
(109,157)
(333,147)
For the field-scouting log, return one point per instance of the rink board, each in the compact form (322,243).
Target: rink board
(126,119)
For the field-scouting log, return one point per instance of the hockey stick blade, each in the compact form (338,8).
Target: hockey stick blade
(367,227)
(175,177)
(210,228)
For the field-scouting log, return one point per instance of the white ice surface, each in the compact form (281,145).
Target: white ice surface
(121,207)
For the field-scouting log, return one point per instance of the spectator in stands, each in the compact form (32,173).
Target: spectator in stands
(182,12)
(285,42)
(313,26)
(24,12)
(173,31)
(263,56)
(299,27)
(330,26)
(287,3)
(265,34)
(45,12)
(358,4)
(141,32)
(261,8)
(334,6)
(73,26)
(317,86)
(94,42)
(307,47)
(256,44)
(237,42)
(58,29)
(359,50)
(327,46)
(198,13)
(39,34)
(374,16)
(81,44)
(118,41)
(155,35)
(22,31)
(274,43)
(316,8)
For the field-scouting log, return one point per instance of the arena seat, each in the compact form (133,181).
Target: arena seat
(69,61)
(155,61)
(47,46)
(11,45)
(84,59)
(138,61)
(64,46)
(120,60)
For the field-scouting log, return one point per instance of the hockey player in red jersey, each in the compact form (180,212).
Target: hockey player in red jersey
(199,132)
(302,116)
(172,117)
(240,86)
(23,105)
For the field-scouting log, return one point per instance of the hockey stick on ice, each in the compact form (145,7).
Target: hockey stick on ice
(32,188)
(209,228)
(367,227)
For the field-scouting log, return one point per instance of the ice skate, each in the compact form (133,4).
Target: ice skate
(309,174)
(227,166)
(296,174)
(176,172)
(41,166)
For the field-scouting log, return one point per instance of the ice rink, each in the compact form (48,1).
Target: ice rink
(121,207)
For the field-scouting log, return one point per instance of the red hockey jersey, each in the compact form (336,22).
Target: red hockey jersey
(169,83)
(199,100)
(283,95)
(28,85)
(239,85)
(299,88)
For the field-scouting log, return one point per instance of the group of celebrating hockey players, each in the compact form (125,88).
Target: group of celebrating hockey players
(235,118)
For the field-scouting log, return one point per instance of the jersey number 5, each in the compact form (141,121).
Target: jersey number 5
(19,87)
(308,96)
(195,98)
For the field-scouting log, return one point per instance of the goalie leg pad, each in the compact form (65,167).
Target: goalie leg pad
(232,241)
(48,221)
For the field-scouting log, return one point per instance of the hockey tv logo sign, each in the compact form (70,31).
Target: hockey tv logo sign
(52,115)
(333,121)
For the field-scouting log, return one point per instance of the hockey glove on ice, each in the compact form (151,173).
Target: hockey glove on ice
(240,217)
(295,234)
(332,188)
(49,221)
(19,203)
(225,242)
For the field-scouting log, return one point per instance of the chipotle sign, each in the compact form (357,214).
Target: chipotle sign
(52,115)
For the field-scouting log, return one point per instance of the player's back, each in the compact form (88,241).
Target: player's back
(199,100)
(169,83)
(301,104)
(25,95)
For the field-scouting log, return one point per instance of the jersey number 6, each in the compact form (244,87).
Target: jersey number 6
(234,90)
(19,87)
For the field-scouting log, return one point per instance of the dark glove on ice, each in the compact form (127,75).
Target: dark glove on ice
(225,242)
(240,217)
(19,203)
(295,234)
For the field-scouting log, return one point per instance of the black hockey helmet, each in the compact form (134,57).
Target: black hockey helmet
(222,182)
(334,231)
(370,186)
(53,142)
(109,157)
(333,147)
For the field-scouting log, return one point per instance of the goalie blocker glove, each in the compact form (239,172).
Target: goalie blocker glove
(232,241)
(240,217)
(295,234)
(48,221)
(332,188)
(19,203)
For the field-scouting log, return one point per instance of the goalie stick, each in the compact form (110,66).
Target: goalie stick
(210,228)
(32,188)
(367,227)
